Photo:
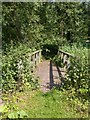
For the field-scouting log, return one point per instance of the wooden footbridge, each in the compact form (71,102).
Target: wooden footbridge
(48,72)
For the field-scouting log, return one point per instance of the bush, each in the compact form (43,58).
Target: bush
(77,75)
(16,68)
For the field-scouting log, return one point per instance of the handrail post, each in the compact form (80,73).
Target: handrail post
(65,58)
(30,60)
(39,56)
(35,58)
(62,56)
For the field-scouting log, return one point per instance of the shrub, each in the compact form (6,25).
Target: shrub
(16,68)
(77,75)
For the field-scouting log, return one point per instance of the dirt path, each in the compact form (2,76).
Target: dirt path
(49,74)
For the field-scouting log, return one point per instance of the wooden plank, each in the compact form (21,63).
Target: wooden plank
(36,52)
(65,58)
(35,58)
(66,53)
(39,56)
(61,56)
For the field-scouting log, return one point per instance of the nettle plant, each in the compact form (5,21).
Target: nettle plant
(16,68)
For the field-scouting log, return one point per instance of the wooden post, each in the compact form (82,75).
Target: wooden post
(65,59)
(68,63)
(33,60)
(39,56)
(20,76)
(61,56)
(30,62)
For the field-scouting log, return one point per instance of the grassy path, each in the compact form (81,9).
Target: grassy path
(53,104)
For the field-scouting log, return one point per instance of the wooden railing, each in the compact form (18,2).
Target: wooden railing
(65,58)
(35,58)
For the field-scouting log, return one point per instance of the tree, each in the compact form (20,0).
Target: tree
(39,23)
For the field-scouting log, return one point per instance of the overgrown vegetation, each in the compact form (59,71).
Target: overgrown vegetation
(77,77)
(16,68)
(35,104)
(38,26)
(78,74)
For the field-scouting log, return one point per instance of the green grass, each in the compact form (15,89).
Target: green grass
(54,104)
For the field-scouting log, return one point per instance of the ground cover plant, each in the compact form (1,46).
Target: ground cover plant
(54,104)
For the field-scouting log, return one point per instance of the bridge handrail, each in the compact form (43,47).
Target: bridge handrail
(66,53)
(65,58)
(35,58)
(36,52)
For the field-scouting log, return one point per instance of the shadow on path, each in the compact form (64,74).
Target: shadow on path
(56,74)
(51,76)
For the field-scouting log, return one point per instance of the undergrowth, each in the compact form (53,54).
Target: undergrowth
(35,104)
(25,101)
(77,75)
(16,68)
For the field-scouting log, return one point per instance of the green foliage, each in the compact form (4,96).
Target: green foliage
(16,68)
(18,114)
(77,75)
(3,109)
(54,104)
(39,23)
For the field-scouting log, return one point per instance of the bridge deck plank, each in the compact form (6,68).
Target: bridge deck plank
(49,75)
